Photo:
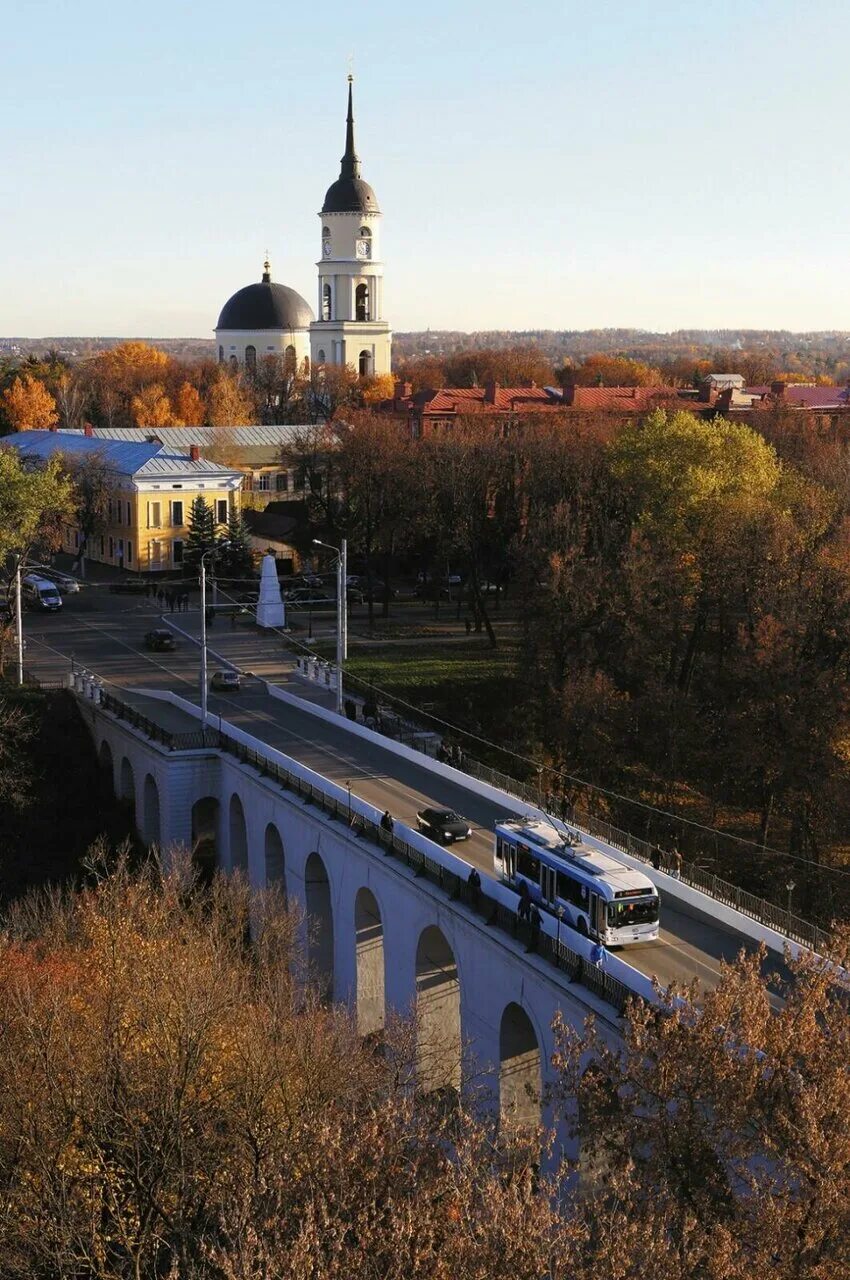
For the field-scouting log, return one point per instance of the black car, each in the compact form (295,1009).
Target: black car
(160,641)
(443,825)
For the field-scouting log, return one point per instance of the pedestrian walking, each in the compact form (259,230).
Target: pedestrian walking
(535,920)
(387,821)
(185,601)
(524,904)
(233,614)
(171,597)
(675,863)
(597,955)
(210,616)
(655,857)
(468,625)
(474,882)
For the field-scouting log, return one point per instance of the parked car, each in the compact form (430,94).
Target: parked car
(161,641)
(226,681)
(67,585)
(443,825)
(129,587)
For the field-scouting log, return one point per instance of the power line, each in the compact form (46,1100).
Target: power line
(764,850)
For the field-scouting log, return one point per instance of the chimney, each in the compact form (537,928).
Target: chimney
(491,390)
(88,429)
(568,393)
(194,453)
(778,389)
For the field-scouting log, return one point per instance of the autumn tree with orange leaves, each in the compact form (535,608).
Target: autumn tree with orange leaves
(29,406)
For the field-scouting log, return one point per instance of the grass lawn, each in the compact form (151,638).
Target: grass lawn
(470,685)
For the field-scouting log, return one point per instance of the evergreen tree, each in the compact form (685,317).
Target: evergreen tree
(201,535)
(237,559)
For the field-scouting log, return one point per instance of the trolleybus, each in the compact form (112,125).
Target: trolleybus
(599,896)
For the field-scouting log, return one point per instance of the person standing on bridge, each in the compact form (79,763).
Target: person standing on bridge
(524,904)
(474,882)
(387,821)
(597,955)
(655,857)
(675,863)
(535,920)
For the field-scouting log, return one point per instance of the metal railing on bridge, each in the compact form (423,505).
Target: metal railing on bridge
(495,914)
(749,904)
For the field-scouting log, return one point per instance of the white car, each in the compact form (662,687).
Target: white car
(67,585)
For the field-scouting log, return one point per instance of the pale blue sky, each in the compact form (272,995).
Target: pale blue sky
(548,164)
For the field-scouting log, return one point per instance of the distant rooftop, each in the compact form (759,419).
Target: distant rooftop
(143,458)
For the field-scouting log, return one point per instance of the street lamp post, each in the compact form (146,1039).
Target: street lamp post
(341,553)
(210,551)
(19,624)
(790,886)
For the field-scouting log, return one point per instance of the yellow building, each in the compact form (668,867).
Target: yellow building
(154,486)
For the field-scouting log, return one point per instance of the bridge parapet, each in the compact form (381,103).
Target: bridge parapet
(494,903)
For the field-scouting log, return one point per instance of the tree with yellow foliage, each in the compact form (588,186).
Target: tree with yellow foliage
(378,387)
(188,405)
(152,407)
(230,404)
(29,406)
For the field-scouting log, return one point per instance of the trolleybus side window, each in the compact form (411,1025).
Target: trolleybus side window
(571,890)
(526,863)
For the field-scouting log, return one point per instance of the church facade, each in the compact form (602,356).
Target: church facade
(268,318)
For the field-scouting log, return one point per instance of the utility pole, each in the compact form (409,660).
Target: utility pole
(203,645)
(19,623)
(341,553)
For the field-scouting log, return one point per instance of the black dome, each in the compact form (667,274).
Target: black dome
(266,306)
(350,195)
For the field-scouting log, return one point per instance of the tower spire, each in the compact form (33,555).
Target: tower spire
(350,165)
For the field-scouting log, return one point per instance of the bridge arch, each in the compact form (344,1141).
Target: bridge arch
(275,860)
(438,1030)
(106,762)
(369,946)
(150,811)
(320,925)
(519,1069)
(127,786)
(205,827)
(238,837)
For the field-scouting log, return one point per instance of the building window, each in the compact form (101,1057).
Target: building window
(262,481)
(364,231)
(290,358)
(326,302)
(281,482)
(177,514)
(326,232)
(177,551)
(320,357)
(154,515)
(101,548)
(365,364)
(129,552)
(234,363)
(111,549)
(221,355)
(129,514)
(221,510)
(361,302)
(251,359)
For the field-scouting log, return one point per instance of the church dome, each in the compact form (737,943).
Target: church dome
(350,195)
(266,305)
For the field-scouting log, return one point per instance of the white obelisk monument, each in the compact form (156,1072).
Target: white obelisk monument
(270,610)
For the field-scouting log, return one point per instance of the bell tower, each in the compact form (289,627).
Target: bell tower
(351,328)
